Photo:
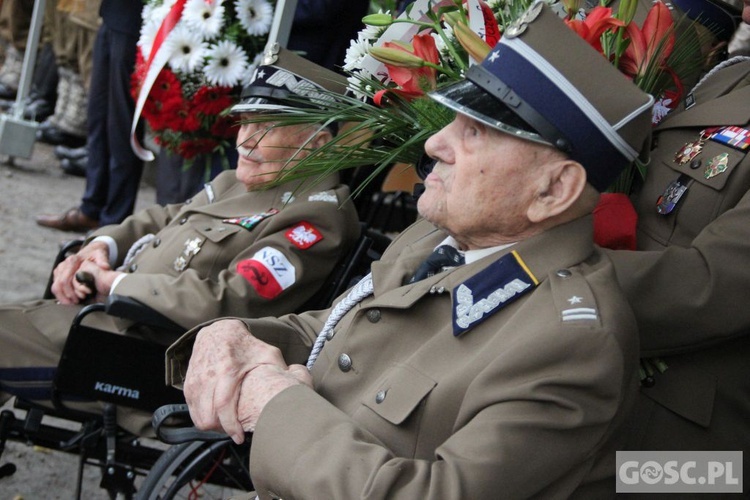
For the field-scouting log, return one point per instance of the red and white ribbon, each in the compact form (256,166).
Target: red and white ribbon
(157,59)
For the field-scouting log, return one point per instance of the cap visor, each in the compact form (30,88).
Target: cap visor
(466,98)
(259,105)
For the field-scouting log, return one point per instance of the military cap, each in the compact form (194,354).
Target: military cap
(544,83)
(284,80)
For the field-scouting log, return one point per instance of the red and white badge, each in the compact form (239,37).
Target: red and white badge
(269,271)
(303,235)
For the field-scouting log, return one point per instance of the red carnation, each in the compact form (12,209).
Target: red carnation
(212,100)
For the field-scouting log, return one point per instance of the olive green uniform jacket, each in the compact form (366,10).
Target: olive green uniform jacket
(200,265)
(517,406)
(689,288)
(211,283)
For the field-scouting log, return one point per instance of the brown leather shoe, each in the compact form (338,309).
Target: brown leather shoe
(72,220)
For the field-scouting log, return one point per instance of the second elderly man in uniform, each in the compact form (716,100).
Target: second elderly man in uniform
(235,248)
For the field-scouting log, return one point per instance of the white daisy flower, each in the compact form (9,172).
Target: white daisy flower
(149,28)
(205,17)
(226,64)
(357,51)
(187,49)
(254,15)
(158,13)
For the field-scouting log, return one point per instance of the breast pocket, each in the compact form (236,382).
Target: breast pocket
(716,179)
(398,393)
(214,230)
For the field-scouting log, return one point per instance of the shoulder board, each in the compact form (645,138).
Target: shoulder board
(573,297)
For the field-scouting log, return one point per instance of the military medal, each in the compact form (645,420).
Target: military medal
(716,166)
(689,151)
(250,222)
(672,194)
(192,247)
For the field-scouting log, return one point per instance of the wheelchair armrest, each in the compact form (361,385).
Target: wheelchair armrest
(134,310)
(182,434)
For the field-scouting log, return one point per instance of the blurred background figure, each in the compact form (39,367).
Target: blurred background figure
(113,171)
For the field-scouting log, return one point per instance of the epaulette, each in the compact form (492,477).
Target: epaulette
(573,297)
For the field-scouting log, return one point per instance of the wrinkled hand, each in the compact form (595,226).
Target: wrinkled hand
(64,285)
(262,384)
(103,279)
(224,354)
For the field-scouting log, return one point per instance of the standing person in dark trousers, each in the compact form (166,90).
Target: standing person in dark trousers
(113,171)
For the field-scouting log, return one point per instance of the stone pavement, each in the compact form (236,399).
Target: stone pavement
(27,188)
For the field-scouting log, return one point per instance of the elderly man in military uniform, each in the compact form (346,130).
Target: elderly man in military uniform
(236,248)
(490,353)
(688,287)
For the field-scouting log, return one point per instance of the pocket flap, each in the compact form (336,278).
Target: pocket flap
(710,151)
(671,391)
(214,230)
(398,393)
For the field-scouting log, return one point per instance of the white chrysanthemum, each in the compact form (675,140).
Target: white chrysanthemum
(440,42)
(358,87)
(370,32)
(254,15)
(205,17)
(149,29)
(357,51)
(226,64)
(187,49)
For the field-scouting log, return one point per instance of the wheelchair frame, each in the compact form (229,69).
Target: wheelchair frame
(121,456)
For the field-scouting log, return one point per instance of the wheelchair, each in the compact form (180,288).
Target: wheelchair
(192,468)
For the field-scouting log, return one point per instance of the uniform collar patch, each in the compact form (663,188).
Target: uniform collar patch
(482,295)
(250,222)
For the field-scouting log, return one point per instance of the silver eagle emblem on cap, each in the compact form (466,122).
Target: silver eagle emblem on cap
(271,54)
(519,25)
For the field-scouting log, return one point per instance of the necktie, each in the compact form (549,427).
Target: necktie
(442,257)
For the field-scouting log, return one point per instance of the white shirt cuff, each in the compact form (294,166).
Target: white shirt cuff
(115,282)
(112,244)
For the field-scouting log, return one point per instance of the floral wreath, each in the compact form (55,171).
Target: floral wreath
(395,61)
(192,57)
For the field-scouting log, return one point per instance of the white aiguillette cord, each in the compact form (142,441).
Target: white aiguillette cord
(360,291)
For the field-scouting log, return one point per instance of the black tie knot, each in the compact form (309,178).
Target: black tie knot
(442,257)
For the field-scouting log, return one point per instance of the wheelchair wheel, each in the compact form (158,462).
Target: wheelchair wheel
(198,469)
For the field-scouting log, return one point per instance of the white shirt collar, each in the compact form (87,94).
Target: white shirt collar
(474,255)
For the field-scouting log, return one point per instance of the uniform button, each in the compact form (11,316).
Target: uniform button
(345,363)
(330,334)
(188,202)
(433,289)
(373,315)
(440,289)
(183,220)
(380,397)
(564,273)
(157,242)
(695,164)
(208,229)
(133,268)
